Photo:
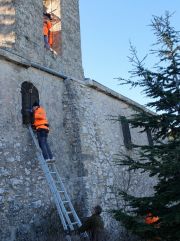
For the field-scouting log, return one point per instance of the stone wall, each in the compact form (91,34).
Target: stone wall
(25,200)
(83,137)
(84,140)
(7,23)
(101,139)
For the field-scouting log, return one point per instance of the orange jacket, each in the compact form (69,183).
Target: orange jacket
(46,27)
(40,120)
(150,219)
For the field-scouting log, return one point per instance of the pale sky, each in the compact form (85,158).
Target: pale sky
(106,29)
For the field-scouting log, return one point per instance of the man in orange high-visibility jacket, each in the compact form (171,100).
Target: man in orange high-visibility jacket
(40,123)
(150,219)
(46,29)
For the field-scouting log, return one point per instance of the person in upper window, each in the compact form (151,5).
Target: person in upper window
(46,29)
(49,20)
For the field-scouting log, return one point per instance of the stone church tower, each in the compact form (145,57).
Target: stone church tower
(21,32)
(83,137)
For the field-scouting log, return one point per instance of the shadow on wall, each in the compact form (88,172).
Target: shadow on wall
(7,23)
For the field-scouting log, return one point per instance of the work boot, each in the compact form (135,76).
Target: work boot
(53,52)
(53,159)
(50,160)
(47,160)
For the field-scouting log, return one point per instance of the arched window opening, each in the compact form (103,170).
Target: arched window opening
(52,25)
(29,96)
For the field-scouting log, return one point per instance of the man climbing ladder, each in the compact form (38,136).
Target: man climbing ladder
(40,124)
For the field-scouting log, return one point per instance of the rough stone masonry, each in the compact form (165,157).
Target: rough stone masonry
(83,137)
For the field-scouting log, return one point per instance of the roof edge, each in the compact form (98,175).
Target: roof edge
(102,88)
(19,60)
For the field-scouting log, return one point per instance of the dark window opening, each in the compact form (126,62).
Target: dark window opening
(126,132)
(52,25)
(149,136)
(29,96)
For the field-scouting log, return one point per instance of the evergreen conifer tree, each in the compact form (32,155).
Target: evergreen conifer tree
(162,159)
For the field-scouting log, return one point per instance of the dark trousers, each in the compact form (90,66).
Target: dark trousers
(42,139)
(46,44)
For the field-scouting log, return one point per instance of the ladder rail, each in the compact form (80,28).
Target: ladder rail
(65,213)
(49,179)
(54,193)
(64,216)
(68,199)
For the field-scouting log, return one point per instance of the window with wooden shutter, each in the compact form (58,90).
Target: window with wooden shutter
(126,132)
(29,96)
(149,136)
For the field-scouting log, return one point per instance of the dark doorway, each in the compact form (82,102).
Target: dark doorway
(29,96)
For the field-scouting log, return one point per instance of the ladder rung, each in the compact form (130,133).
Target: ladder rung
(42,177)
(61,191)
(74,223)
(65,201)
(58,183)
(69,212)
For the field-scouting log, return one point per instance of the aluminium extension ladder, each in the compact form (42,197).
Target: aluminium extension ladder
(66,211)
